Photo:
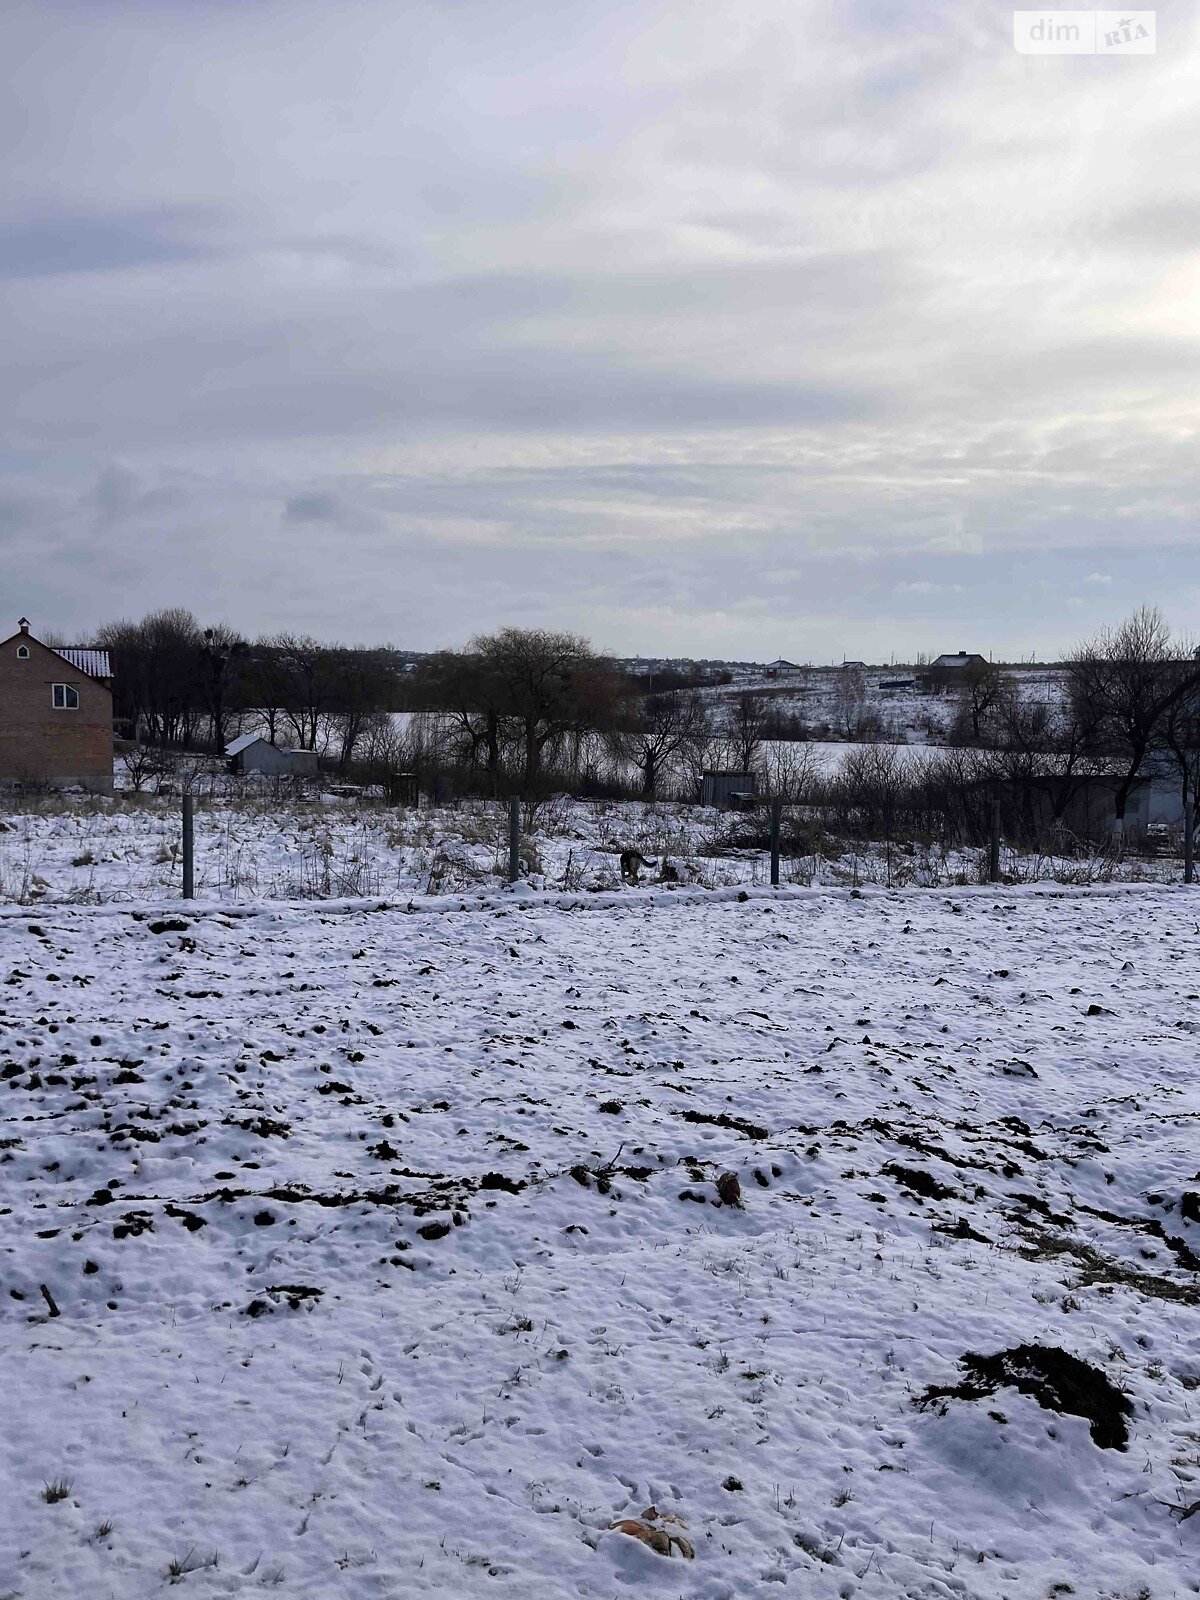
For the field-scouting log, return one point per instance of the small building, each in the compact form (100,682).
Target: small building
(56,715)
(1082,805)
(960,661)
(252,753)
(403,789)
(783,669)
(951,673)
(731,791)
(891,685)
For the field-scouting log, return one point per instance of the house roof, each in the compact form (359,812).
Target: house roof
(960,658)
(94,662)
(242,742)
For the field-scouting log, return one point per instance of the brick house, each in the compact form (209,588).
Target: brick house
(56,714)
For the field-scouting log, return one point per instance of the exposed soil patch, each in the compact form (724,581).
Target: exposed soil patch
(918,1182)
(1057,1380)
(750,1130)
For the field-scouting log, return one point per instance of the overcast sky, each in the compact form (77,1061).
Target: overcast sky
(702,328)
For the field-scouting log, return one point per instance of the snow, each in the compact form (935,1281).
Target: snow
(94,662)
(913,713)
(282,848)
(225,1130)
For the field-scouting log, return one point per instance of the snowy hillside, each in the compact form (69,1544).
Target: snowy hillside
(364,1255)
(835,699)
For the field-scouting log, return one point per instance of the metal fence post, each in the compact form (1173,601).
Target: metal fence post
(514,837)
(1189,844)
(994,845)
(189,848)
(776,813)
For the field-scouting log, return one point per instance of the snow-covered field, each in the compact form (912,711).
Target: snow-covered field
(91,852)
(818,696)
(290,848)
(384,1254)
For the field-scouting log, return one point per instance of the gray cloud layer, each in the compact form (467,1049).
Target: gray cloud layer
(781,327)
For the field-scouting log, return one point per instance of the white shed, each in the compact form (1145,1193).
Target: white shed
(252,753)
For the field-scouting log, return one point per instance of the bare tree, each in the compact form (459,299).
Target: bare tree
(1179,744)
(665,727)
(871,782)
(460,685)
(159,674)
(982,689)
(143,764)
(550,685)
(851,701)
(222,658)
(267,684)
(360,691)
(744,726)
(1042,748)
(793,772)
(1125,684)
(307,665)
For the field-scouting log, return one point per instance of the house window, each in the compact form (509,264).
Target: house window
(65,697)
(22,652)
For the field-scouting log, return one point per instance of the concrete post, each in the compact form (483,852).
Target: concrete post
(514,837)
(189,850)
(1189,845)
(994,845)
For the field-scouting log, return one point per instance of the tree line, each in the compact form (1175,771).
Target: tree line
(542,709)
(530,706)
(177,683)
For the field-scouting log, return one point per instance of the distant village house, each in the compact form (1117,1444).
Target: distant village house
(952,671)
(960,661)
(56,715)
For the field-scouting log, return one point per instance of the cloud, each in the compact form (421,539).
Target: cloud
(311,508)
(689,322)
(56,245)
(1157,227)
(120,494)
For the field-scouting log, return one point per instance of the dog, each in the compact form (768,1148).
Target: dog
(631,862)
